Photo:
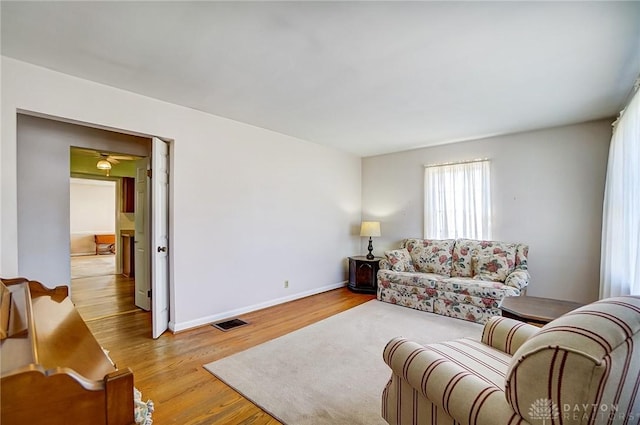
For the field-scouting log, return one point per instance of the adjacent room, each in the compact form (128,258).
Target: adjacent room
(313,212)
(102,224)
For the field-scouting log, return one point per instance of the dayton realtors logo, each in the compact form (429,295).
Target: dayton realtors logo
(544,409)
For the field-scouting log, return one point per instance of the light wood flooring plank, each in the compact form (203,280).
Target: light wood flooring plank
(100,296)
(170,370)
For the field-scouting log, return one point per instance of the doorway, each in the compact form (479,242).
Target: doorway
(92,208)
(43,144)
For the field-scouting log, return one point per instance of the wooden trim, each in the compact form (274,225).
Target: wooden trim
(119,401)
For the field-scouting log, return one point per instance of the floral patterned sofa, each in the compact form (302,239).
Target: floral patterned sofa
(461,278)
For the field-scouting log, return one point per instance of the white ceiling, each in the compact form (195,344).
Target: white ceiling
(365,77)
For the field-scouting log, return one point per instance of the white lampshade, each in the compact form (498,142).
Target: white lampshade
(370,228)
(103,164)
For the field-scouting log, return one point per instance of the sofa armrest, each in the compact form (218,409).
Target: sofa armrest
(518,279)
(464,396)
(506,334)
(385,264)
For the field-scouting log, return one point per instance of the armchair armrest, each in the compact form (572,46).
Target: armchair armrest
(518,279)
(464,396)
(506,334)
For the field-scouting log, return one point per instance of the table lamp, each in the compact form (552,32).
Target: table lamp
(371,229)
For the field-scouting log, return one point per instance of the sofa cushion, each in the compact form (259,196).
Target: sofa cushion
(431,256)
(458,289)
(490,267)
(460,297)
(461,257)
(500,248)
(464,250)
(400,260)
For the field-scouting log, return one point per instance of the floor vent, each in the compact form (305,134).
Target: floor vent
(229,324)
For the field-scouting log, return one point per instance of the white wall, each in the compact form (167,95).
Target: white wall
(249,208)
(92,209)
(547,191)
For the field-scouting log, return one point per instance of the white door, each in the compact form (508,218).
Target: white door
(141,238)
(160,236)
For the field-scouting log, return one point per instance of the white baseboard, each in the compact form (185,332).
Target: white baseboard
(183,326)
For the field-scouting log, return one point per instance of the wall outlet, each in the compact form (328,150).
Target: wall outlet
(286,283)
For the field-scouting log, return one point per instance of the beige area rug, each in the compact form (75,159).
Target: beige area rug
(93,265)
(332,372)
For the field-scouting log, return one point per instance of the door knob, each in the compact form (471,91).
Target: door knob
(162,249)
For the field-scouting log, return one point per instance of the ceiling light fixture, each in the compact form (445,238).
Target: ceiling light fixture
(103,164)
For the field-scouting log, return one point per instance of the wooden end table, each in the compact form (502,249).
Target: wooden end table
(363,274)
(535,310)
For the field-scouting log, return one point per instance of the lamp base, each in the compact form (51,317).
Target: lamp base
(370,256)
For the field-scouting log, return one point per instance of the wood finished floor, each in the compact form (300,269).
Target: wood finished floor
(97,291)
(169,370)
(103,296)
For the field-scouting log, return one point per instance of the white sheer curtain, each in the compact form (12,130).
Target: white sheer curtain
(457,202)
(620,257)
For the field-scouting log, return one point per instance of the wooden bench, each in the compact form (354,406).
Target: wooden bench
(108,240)
(54,372)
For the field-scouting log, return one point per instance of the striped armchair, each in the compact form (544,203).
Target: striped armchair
(582,368)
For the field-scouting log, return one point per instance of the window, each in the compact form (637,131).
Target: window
(457,201)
